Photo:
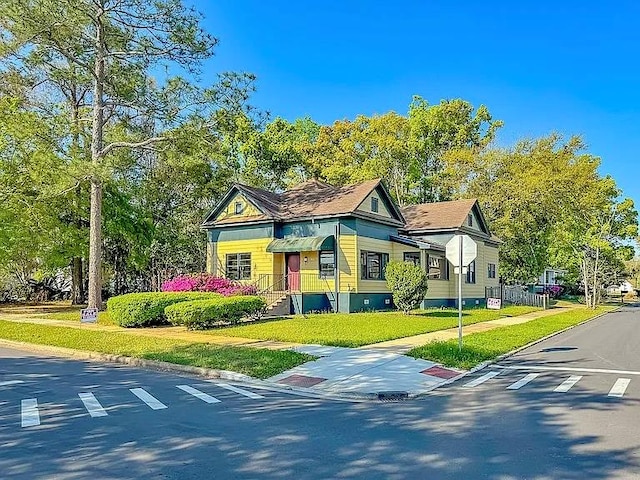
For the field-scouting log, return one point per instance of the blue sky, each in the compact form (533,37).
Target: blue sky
(541,66)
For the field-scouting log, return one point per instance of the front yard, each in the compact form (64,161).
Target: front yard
(483,346)
(357,329)
(255,362)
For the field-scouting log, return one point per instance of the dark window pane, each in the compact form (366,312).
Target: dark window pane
(327,264)
(373,266)
(471,272)
(413,257)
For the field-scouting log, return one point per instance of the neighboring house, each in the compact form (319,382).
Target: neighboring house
(551,276)
(623,288)
(322,247)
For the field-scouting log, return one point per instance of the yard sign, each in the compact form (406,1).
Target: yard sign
(89,315)
(494,303)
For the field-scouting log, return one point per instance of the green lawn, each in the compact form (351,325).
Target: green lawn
(74,316)
(480,347)
(259,363)
(357,329)
(52,311)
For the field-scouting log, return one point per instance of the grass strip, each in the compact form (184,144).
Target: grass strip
(357,329)
(255,362)
(484,346)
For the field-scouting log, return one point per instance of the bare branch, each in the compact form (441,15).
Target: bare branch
(105,151)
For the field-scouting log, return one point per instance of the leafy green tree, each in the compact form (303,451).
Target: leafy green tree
(117,44)
(36,193)
(449,126)
(408,283)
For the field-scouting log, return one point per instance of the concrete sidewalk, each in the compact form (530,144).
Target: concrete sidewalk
(383,367)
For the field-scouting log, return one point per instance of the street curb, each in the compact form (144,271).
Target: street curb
(484,365)
(184,369)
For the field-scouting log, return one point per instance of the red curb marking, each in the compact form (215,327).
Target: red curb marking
(301,381)
(440,372)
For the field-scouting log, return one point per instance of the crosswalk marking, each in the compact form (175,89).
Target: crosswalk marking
(567,384)
(147,398)
(619,387)
(92,405)
(10,382)
(522,382)
(198,394)
(482,379)
(246,393)
(30,414)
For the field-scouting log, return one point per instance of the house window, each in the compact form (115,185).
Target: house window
(470,220)
(438,268)
(239,266)
(471,272)
(491,270)
(412,257)
(327,264)
(372,265)
(238,208)
(374,204)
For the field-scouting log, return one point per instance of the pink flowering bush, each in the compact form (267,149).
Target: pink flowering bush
(203,282)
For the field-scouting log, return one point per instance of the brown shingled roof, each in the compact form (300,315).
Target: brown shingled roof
(312,198)
(432,216)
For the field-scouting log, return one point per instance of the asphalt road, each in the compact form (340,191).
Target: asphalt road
(486,431)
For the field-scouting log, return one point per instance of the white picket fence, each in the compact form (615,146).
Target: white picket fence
(516,295)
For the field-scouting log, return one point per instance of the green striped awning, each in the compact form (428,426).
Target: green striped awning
(301,244)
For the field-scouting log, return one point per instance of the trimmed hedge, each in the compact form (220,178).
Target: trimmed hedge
(203,314)
(147,309)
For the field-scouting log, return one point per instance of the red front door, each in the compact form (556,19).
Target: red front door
(293,271)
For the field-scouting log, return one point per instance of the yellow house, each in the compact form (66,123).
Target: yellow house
(317,247)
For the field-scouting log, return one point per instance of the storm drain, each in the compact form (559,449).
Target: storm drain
(392,396)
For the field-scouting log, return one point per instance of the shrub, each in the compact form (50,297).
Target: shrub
(203,282)
(147,309)
(202,314)
(408,283)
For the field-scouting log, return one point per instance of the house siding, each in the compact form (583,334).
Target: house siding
(248,209)
(347,262)
(383,211)
(261,261)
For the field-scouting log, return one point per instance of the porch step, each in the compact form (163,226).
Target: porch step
(280,306)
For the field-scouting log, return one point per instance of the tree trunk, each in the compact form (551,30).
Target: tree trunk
(77,277)
(77,282)
(595,288)
(95,219)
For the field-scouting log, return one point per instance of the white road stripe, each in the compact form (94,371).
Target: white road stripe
(482,379)
(205,397)
(567,369)
(619,387)
(147,398)
(10,382)
(239,390)
(523,381)
(92,405)
(30,413)
(568,383)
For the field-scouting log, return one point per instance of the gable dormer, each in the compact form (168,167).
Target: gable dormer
(378,203)
(237,207)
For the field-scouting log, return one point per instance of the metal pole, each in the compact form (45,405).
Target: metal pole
(460,296)
(336,256)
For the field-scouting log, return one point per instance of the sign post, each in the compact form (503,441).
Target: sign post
(461,250)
